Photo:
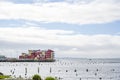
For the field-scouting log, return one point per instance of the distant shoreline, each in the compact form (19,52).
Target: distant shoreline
(27,60)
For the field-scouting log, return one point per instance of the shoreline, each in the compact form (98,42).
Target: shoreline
(27,60)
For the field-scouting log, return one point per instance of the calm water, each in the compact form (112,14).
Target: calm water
(66,69)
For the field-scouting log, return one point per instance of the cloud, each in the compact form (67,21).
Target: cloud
(77,12)
(35,35)
(66,43)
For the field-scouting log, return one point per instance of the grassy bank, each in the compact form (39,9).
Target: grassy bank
(35,77)
(4,76)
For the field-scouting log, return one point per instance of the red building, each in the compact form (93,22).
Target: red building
(38,55)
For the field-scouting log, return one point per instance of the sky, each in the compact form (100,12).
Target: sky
(72,28)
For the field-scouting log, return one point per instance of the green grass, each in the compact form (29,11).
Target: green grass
(4,76)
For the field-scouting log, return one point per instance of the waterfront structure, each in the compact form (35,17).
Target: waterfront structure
(38,55)
(32,56)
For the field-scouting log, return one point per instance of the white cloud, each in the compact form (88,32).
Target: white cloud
(33,35)
(66,43)
(96,11)
(54,37)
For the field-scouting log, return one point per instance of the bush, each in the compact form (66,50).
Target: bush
(36,77)
(50,78)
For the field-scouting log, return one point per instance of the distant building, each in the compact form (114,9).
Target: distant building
(38,55)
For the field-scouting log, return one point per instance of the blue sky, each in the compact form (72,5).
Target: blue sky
(73,28)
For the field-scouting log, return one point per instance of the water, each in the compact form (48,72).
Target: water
(66,69)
